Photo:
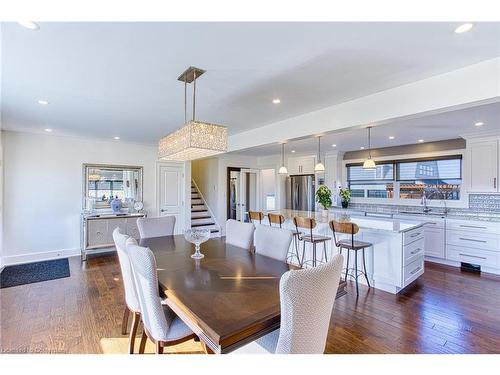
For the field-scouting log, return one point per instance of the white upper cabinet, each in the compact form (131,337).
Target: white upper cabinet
(483,170)
(301,165)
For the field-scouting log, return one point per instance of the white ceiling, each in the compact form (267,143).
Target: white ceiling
(449,125)
(120,79)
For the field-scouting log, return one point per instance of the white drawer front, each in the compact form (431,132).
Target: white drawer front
(478,227)
(413,235)
(431,223)
(474,256)
(468,239)
(413,270)
(413,251)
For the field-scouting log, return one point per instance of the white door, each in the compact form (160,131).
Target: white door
(249,192)
(483,167)
(170,194)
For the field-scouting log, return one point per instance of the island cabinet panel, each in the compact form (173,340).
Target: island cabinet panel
(434,242)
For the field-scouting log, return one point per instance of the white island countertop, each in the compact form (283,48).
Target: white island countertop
(363,222)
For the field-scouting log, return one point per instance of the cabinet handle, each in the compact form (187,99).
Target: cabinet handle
(471,256)
(472,240)
(163,210)
(472,226)
(415,270)
(415,235)
(494,182)
(416,251)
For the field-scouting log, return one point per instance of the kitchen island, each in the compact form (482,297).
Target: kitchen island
(396,258)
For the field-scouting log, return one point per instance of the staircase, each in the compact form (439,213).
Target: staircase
(201,216)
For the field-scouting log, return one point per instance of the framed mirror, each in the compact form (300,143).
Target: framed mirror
(101,183)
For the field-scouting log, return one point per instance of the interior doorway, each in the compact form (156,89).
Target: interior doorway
(243,192)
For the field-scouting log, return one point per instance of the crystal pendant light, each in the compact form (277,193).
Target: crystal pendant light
(319,167)
(196,139)
(369,163)
(283,169)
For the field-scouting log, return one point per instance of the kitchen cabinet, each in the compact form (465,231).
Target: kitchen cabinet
(475,242)
(301,165)
(483,170)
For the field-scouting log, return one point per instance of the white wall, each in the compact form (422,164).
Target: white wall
(43,190)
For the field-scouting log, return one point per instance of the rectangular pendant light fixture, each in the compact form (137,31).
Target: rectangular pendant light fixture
(196,139)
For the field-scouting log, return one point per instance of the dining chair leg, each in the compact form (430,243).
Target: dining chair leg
(364,267)
(136,318)
(159,347)
(126,313)
(356,270)
(142,345)
(347,265)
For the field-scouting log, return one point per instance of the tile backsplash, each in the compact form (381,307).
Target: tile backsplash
(478,203)
(484,202)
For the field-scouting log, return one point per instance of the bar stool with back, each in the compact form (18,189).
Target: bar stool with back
(255,216)
(278,219)
(309,224)
(350,228)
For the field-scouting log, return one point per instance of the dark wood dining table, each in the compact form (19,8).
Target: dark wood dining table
(229,298)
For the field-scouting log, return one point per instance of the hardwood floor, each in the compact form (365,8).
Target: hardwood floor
(446,311)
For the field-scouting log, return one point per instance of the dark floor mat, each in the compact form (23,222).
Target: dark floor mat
(34,272)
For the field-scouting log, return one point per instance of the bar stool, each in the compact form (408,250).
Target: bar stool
(309,224)
(255,215)
(352,229)
(278,219)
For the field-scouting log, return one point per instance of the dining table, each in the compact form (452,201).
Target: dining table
(229,298)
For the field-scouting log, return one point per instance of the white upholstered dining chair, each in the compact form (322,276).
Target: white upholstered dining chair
(239,234)
(307,297)
(156,226)
(161,324)
(272,242)
(131,300)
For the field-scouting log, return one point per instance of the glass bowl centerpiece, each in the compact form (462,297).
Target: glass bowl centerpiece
(197,237)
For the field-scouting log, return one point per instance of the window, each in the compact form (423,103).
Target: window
(437,178)
(376,183)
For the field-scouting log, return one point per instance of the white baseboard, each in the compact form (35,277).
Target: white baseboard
(37,257)
(494,271)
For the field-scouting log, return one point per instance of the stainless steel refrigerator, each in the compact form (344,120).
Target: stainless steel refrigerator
(300,192)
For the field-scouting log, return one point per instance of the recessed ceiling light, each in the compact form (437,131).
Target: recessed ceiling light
(464,28)
(391,137)
(29,25)
(293,151)
(276,101)
(43,102)
(361,148)
(420,140)
(334,145)
(479,123)
(116,138)
(48,130)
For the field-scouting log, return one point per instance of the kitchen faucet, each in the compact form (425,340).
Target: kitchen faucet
(425,197)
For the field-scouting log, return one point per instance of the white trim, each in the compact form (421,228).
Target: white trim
(464,195)
(37,257)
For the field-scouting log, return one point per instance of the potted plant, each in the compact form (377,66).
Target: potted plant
(324,198)
(345,196)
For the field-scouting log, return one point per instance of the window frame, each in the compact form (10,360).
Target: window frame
(396,200)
